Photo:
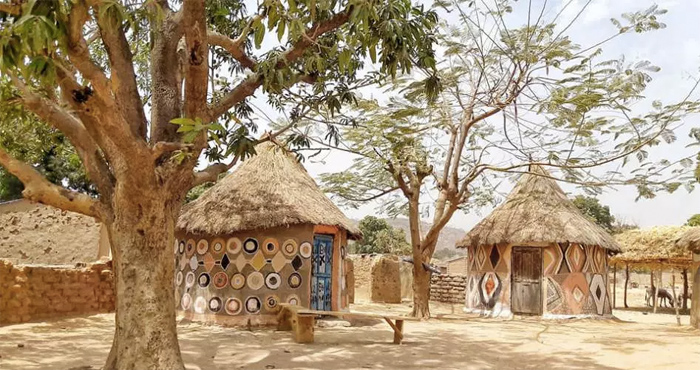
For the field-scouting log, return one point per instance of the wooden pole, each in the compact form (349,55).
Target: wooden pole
(627,279)
(685,289)
(675,301)
(653,291)
(614,283)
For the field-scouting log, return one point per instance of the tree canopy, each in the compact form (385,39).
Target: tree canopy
(380,237)
(694,220)
(598,213)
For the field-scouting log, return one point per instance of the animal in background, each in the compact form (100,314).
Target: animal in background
(664,296)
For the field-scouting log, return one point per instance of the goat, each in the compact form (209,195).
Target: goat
(666,298)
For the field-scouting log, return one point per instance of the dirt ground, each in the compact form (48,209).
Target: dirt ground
(451,341)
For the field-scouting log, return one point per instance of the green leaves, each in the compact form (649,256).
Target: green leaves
(194,127)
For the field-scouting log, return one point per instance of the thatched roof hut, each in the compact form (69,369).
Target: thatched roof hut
(251,198)
(690,240)
(538,211)
(653,247)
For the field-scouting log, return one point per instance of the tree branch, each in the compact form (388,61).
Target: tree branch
(12,9)
(234,47)
(248,86)
(163,147)
(38,189)
(211,173)
(123,78)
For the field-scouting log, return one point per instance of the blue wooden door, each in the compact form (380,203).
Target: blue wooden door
(321,273)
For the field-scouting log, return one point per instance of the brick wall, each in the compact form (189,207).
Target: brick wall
(33,292)
(448,288)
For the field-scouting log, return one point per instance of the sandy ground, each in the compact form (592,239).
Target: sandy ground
(452,341)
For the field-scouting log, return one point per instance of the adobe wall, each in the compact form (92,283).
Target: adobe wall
(32,292)
(448,288)
(377,277)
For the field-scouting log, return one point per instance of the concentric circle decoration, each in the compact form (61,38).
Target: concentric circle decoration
(200,305)
(190,247)
(233,306)
(193,263)
(294,280)
(290,248)
(273,280)
(233,245)
(186,301)
(204,280)
(181,247)
(253,305)
(250,245)
(189,279)
(202,246)
(215,304)
(218,246)
(237,281)
(293,299)
(270,246)
(220,280)
(255,280)
(179,277)
(271,302)
(305,249)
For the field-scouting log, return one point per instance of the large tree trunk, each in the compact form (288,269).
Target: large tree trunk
(142,238)
(695,302)
(421,290)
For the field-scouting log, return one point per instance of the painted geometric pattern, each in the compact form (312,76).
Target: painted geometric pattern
(576,258)
(490,289)
(217,281)
(555,296)
(597,289)
(473,298)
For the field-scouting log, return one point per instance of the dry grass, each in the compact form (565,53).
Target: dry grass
(537,211)
(271,189)
(690,240)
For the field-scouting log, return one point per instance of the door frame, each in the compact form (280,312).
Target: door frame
(332,273)
(541,280)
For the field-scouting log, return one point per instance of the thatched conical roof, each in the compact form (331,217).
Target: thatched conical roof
(537,211)
(271,189)
(652,247)
(690,240)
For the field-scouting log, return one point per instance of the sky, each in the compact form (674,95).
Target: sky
(675,49)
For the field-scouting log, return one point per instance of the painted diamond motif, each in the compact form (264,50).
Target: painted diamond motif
(297,262)
(494,256)
(578,294)
(209,262)
(278,262)
(240,262)
(480,258)
(598,292)
(258,261)
(225,261)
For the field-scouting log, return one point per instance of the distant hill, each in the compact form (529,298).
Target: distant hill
(446,242)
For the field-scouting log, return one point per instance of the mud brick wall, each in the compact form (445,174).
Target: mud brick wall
(448,288)
(33,292)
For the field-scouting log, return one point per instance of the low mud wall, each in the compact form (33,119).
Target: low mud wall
(37,292)
(448,288)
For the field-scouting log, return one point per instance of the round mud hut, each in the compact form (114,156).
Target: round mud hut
(536,254)
(265,234)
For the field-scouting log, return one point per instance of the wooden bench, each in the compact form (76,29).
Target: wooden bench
(301,321)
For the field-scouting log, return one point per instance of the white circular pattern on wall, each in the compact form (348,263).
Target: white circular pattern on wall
(215,304)
(233,306)
(186,301)
(293,299)
(218,246)
(202,246)
(290,248)
(237,281)
(178,278)
(200,305)
(253,305)
(189,279)
(270,247)
(255,280)
(250,245)
(305,250)
(233,245)
(273,280)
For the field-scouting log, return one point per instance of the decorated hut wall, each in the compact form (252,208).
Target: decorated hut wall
(573,280)
(537,254)
(264,235)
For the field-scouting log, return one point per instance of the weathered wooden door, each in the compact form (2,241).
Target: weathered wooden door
(321,273)
(526,281)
